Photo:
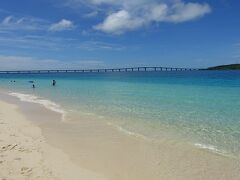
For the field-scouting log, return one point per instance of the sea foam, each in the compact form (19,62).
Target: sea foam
(211,148)
(38,100)
(127,132)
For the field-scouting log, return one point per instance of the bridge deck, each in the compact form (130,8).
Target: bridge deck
(131,69)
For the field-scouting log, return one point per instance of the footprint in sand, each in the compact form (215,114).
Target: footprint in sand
(4,148)
(8,147)
(26,171)
(13,146)
(21,149)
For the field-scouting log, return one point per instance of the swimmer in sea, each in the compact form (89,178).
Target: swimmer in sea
(53,82)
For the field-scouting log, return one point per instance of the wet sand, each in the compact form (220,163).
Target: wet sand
(104,150)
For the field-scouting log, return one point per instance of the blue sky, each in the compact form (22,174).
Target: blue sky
(76,34)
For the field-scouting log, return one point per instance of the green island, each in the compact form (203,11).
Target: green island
(225,67)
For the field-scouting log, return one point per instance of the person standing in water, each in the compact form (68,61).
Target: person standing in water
(33,86)
(53,82)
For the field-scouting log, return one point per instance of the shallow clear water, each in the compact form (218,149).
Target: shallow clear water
(200,107)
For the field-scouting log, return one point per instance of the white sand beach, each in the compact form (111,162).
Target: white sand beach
(24,154)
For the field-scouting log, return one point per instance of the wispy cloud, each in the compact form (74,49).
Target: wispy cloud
(12,23)
(27,32)
(97,45)
(7,20)
(50,43)
(62,25)
(31,63)
(91,14)
(43,42)
(26,23)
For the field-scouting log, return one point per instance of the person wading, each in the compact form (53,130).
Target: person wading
(53,82)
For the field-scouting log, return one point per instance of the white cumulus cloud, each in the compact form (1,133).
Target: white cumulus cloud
(131,17)
(120,22)
(62,25)
(120,16)
(187,11)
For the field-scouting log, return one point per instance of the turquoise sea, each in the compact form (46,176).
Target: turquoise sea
(197,107)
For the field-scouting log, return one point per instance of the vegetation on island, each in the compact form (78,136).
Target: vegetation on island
(225,67)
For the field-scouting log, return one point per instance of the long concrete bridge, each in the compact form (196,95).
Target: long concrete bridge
(129,69)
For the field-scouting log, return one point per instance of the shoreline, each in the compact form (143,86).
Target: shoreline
(94,145)
(52,106)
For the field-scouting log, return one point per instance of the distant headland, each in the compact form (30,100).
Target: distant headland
(225,67)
